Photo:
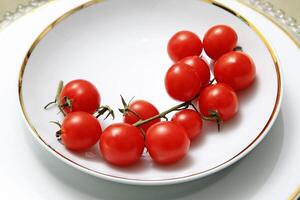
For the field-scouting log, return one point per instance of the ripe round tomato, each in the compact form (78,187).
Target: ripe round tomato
(183,44)
(200,66)
(141,110)
(236,69)
(190,120)
(182,82)
(167,142)
(83,95)
(219,40)
(121,144)
(219,98)
(80,131)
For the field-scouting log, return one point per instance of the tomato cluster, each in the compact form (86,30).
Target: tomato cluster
(188,80)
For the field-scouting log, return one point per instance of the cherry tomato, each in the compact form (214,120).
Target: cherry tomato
(219,40)
(141,109)
(80,131)
(183,44)
(236,69)
(167,142)
(122,144)
(83,95)
(200,66)
(182,82)
(190,120)
(219,98)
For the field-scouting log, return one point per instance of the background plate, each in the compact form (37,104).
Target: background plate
(121,47)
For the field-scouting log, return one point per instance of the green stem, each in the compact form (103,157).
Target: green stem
(50,103)
(213,116)
(211,81)
(61,110)
(57,123)
(238,48)
(164,113)
(58,91)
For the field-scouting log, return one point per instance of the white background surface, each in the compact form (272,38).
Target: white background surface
(27,171)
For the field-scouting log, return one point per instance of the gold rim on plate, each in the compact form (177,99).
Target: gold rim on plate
(230,161)
(296,194)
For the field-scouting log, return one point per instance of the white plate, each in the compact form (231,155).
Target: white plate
(121,47)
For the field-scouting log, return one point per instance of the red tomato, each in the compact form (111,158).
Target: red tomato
(219,98)
(219,40)
(121,144)
(141,110)
(190,120)
(80,131)
(200,66)
(183,44)
(167,142)
(236,69)
(83,94)
(182,82)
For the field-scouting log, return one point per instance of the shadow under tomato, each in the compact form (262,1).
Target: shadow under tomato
(146,163)
(92,154)
(210,127)
(139,167)
(198,141)
(228,126)
(184,163)
(245,96)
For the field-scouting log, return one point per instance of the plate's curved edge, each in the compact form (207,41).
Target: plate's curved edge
(191,177)
(295,195)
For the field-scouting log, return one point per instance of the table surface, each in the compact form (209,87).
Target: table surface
(27,171)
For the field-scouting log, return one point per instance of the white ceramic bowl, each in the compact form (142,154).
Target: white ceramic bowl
(120,46)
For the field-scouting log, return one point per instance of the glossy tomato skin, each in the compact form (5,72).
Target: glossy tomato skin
(80,131)
(219,40)
(144,110)
(182,82)
(167,142)
(121,144)
(236,69)
(190,120)
(200,66)
(183,44)
(220,98)
(84,95)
